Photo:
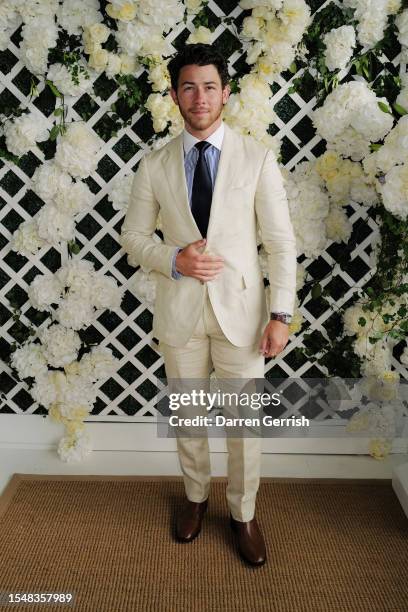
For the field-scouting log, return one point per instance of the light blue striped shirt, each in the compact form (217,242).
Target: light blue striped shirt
(211,156)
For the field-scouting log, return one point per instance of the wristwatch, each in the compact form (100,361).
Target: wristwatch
(284,317)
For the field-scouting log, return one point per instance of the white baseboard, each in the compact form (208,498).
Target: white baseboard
(126,434)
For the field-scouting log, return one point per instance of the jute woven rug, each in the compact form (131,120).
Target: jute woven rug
(333,546)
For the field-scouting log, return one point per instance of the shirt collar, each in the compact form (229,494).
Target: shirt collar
(215,139)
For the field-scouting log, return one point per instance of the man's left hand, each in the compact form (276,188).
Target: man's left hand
(274,339)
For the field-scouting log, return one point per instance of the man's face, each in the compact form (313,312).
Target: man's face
(200,96)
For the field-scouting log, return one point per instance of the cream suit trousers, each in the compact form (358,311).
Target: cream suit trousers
(209,347)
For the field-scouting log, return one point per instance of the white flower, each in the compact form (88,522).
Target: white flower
(394,191)
(24,132)
(113,65)
(352,105)
(163,15)
(401,21)
(193,6)
(75,311)
(29,360)
(54,225)
(200,35)
(49,179)
(338,226)
(44,291)
(120,191)
(106,293)
(77,149)
(60,345)
(74,450)
(144,286)
(122,10)
(62,79)
(78,275)
(44,390)
(75,200)
(339,44)
(76,14)
(159,77)
(76,395)
(26,239)
(99,364)
(351,320)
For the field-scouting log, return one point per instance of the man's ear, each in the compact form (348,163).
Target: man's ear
(225,93)
(174,95)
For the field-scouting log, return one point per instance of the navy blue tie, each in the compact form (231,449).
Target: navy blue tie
(202,190)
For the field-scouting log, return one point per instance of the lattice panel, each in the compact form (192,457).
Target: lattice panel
(133,389)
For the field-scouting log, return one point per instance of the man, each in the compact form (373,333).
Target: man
(212,187)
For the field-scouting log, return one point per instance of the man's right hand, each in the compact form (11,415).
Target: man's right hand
(203,266)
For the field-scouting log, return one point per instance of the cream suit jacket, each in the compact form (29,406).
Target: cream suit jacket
(248,191)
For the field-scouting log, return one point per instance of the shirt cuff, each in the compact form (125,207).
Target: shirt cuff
(176,275)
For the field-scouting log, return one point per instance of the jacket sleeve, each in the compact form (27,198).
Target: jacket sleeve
(278,238)
(137,233)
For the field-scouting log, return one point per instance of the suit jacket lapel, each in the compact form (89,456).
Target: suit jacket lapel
(173,164)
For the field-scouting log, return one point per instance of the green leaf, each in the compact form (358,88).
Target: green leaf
(54,89)
(293,68)
(54,132)
(74,247)
(385,108)
(400,109)
(58,112)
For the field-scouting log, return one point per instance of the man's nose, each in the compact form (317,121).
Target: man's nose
(199,95)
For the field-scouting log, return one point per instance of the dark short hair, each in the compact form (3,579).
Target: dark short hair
(201,55)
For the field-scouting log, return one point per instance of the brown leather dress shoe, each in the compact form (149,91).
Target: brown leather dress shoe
(189,520)
(251,545)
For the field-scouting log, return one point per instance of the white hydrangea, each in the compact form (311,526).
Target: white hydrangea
(75,311)
(162,16)
(44,390)
(389,163)
(54,225)
(372,18)
(144,286)
(76,392)
(62,79)
(60,345)
(39,36)
(98,364)
(352,105)
(74,449)
(23,133)
(29,360)
(309,207)
(75,200)
(49,180)
(78,275)
(73,15)
(339,43)
(338,225)
(120,192)
(250,110)
(77,150)
(106,293)
(401,21)
(44,291)
(200,35)
(26,239)
(159,76)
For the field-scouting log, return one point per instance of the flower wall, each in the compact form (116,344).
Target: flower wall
(84,94)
